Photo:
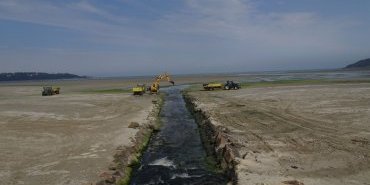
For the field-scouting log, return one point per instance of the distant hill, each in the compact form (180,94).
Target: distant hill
(364,64)
(36,76)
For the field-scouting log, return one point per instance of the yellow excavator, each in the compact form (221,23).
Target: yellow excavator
(154,88)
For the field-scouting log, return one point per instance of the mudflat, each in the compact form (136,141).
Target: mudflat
(68,138)
(301,134)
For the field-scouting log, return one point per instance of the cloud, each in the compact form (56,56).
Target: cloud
(222,10)
(257,36)
(200,32)
(237,20)
(75,16)
(232,19)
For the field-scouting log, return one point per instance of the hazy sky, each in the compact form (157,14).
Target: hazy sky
(137,37)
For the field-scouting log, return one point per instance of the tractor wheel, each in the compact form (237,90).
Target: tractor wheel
(227,87)
(236,88)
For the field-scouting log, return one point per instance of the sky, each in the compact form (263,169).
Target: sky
(145,37)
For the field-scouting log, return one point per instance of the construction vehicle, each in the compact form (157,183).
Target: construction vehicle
(231,85)
(154,88)
(139,89)
(212,86)
(227,86)
(49,91)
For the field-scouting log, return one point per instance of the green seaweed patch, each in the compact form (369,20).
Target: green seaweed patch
(301,82)
(212,165)
(107,91)
(159,103)
(199,87)
(126,180)
(193,87)
(136,161)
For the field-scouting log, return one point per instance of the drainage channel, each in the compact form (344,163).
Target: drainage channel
(175,154)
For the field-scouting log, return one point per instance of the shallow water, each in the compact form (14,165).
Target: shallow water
(175,154)
(304,75)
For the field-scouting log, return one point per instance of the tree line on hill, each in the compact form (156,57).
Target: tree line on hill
(363,64)
(20,76)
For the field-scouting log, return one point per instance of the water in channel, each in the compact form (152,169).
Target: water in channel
(175,154)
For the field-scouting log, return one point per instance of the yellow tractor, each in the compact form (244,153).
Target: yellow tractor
(139,89)
(154,88)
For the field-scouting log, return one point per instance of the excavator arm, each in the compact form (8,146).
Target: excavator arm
(169,80)
(155,86)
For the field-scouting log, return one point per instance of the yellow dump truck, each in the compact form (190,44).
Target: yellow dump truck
(139,89)
(49,91)
(212,86)
(226,86)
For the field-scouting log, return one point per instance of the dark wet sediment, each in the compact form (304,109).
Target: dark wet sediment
(175,154)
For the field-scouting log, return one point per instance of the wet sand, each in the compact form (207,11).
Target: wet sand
(309,134)
(316,134)
(68,138)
